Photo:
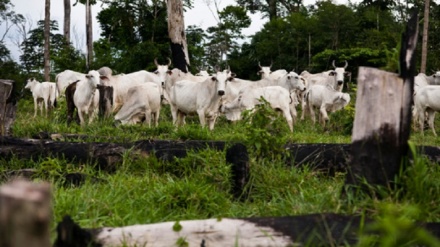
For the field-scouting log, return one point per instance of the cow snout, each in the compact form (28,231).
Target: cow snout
(340,82)
(221,92)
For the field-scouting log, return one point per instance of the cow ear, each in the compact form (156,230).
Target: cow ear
(233,75)
(213,78)
(103,77)
(169,72)
(332,73)
(347,73)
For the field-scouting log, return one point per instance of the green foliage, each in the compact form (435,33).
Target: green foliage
(266,132)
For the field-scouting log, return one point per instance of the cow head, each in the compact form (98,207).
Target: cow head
(293,81)
(162,71)
(220,79)
(264,71)
(30,82)
(94,78)
(339,73)
(436,77)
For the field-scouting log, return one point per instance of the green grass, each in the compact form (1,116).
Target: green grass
(145,190)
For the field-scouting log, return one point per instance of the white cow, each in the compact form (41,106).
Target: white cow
(266,72)
(86,96)
(334,78)
(427,99)
(66,78)
(123,82)
(144,101)
(326,99)
(420,81)
(290,81)
(42,92)
(278,97)
(203,98)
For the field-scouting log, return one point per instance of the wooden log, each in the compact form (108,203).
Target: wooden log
(8,106)
(382,122)
(310,230)
(25,214)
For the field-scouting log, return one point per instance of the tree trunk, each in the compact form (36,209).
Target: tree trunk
(46,41)
(176,32)
(66,30)
(272,9)
(89,34)
(425,37)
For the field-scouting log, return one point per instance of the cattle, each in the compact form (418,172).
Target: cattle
(86,96)
(420,81)
(44,93)
(266,73)
(121,83)
(326,99)
(427,99)
(144,101)
(334,78)
(65,78)
(203,98)
(290,81)
(278,97)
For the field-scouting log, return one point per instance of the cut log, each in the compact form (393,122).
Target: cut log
(25,214)
(310,230)
(8,106)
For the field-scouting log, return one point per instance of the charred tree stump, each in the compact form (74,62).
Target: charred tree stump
(238,157)
(8,106)
(105,101)
(382,122)
(25,214)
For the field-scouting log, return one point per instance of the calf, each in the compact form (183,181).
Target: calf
(326,99)
(144,101)
(43,93)
(278,98)
(86,96)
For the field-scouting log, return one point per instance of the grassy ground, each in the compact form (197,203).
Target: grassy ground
(145,190)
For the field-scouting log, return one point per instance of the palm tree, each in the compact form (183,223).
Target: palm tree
(425,37)
(176,32)
(46,41)
(66,29)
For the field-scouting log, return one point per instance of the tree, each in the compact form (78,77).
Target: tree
(224,37)
(8,18)
(66,29)
(89,30)
(46,41)
(176,32)
(425,37)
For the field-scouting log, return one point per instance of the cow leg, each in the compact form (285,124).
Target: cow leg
(421,113)
(324,115)
(81,117)
(202,117)
(312,113)
(148,117)
(431,118)
(36,106)
(288,117)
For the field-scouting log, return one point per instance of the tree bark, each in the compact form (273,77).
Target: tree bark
(25,214)
(176,32)
(66,30)
(8,106)
(47,41)
(89,34)
(425,37)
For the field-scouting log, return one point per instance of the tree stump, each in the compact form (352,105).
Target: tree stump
(382,123)
(8,106)
(25,214)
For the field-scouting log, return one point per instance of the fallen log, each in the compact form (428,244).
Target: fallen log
(310,230)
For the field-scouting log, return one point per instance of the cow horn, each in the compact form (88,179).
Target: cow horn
(155,62)
(229,68)
(259,65)
(333,63)
(217,68)
(271,63)
(169,61)
(346,64)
